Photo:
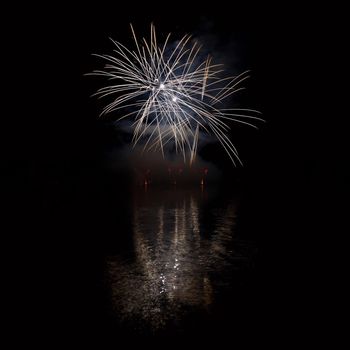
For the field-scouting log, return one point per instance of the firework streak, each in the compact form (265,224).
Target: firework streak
(171,95)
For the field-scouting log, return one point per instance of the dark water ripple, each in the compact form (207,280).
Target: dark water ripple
(183,258)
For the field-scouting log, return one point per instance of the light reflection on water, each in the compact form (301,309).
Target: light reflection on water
(183,256)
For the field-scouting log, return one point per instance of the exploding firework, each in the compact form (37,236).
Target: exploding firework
(171,95)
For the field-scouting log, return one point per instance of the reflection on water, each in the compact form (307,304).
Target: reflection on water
(183,257)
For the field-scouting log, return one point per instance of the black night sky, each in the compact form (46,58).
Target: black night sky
(69,195)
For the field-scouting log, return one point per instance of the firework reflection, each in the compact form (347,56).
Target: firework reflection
(183,252)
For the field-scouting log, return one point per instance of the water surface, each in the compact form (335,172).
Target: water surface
(183,261)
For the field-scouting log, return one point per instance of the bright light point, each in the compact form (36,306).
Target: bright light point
(174,99)
(162,86)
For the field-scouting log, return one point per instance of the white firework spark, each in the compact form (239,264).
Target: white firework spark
(171,95)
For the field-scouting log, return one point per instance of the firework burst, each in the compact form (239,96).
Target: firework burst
(171,95)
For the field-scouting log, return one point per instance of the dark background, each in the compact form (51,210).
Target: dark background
(60,194)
